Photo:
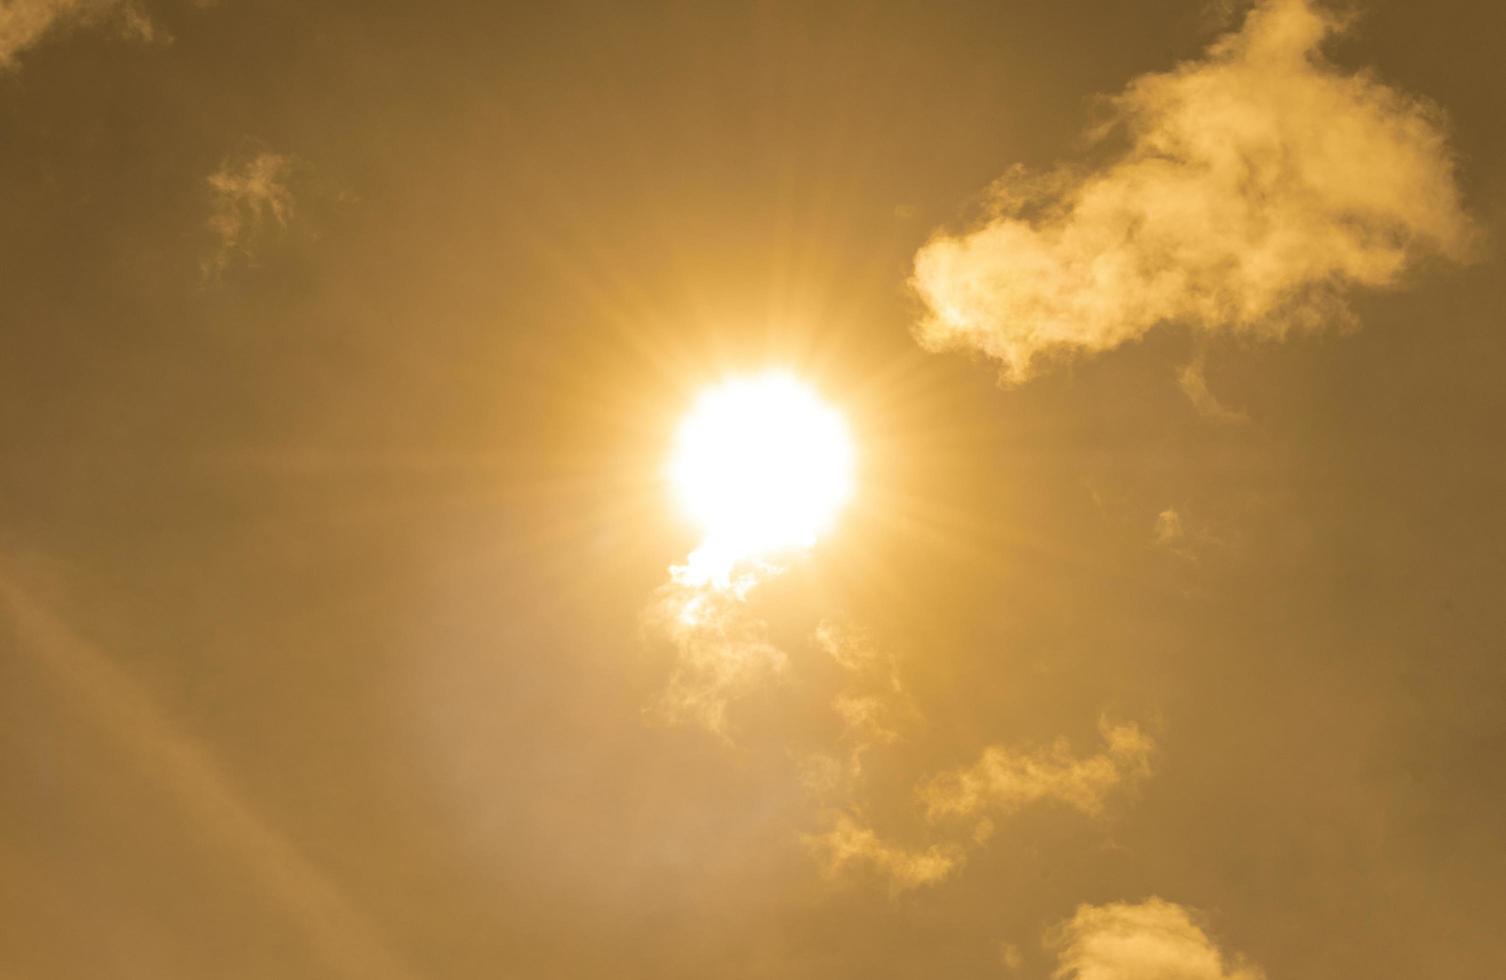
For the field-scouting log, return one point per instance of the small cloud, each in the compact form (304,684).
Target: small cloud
(26,23)
(1010,957)
(1193,381)
(873,707)
(850,843)
(1186,538)
(1151,940)
(246,197)
(961,805)
(1004,780)
(1169,531)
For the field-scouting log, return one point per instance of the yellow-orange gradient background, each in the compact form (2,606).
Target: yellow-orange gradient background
(345,345)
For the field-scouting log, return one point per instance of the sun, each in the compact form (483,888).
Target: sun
(762,466)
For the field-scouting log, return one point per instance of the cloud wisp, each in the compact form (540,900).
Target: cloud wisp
(26,23)
(961,805)
(872,706)
(1149,940)
(1192,378)
(246,197)
(1004,780)
(850,842)
(1256,188)
(721,648)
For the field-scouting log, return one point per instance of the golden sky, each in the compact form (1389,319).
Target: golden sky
(751,490)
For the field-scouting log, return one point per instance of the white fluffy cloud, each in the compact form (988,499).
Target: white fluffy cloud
(1150,940)
(1257,186)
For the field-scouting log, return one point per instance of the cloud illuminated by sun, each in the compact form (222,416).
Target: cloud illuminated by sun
(762,466)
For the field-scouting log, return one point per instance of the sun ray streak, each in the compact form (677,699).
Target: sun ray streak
(340,935)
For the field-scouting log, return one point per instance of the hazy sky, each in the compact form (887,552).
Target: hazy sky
(344,347)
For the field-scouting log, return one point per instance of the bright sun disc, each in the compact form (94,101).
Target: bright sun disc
(762,465)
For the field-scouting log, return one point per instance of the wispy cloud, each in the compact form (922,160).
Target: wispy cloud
(1169,530)
(1003,779)
(961,805)
(1185,536)
(721,648)
(874,711)
(1257,186)
(1193,380)
(850,843)
(1149,940)
(247,196)
(872,706)
(26,23)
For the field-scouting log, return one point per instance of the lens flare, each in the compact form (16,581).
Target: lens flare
(763,466)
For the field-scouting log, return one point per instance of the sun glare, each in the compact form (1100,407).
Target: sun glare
(763,466)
